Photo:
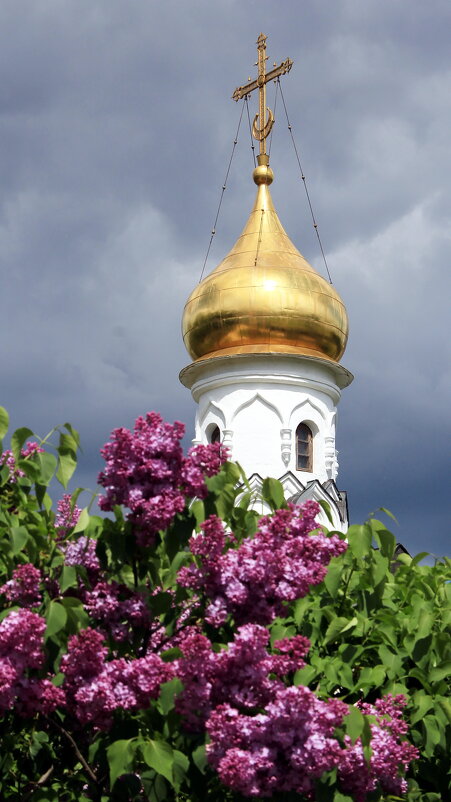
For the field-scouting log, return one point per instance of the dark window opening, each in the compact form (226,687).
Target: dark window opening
(304,448)
(215,436)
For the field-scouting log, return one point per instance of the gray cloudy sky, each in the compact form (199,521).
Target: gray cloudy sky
(116,127)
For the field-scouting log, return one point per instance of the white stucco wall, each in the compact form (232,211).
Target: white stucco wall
(258,400)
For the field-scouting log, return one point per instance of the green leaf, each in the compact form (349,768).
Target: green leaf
(366,738)
(37,741)
(159,756)
(82,522)
(326,508)
(272,492)
(197,508)
(385,540)
(440,672)
(389,514)
(75,434)
(180,766)
(301,606)
(390,659)
(199,757)
(56,618)
(66,467)
(332,579)
(68,578)
(77,617)
(67,443)
(445,705)
(359,539)
(423,703)
(418,557)
(19,536)
(18,439)
(371,677)
(337,626)
(4,422)
(379,568)
(304,676)
(120,756)
(48,463)
(169,655)
(168,692)
(432,734)
(354,723)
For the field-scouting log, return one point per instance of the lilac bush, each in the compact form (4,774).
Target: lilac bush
(161,649)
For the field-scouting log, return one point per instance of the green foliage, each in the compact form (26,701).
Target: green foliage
(380,625)
(376,624)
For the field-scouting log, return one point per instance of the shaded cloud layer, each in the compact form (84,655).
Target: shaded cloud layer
(116,127)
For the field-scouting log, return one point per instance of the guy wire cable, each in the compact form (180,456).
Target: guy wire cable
(315,224)
(213,231)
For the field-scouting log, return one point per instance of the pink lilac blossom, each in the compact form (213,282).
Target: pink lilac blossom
(82,552)
(30,449)
(38,696)
(118,609)
(255,581)
(390,755)
(285,748)
(21,648)
(145,471)
(238,674)
(9,675)
(23,587)
(8,459)
(95,688)
(21,639)
(67,516)
(202,461)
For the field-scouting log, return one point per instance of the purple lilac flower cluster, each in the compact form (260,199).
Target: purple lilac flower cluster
(67,515)
(96,688)
(21,649)
(292,743)
(117,609)
(82,552)
(23,587)
(284,748)
(390,754)
(147,472)
(7,458)
(254,581)
(239,674)
(201,461)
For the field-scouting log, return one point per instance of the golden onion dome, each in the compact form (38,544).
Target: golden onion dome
(264,297)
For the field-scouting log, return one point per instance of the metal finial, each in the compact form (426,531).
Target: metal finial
(261,131)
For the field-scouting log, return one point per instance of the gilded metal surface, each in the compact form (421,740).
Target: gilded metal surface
(261,132)
(264,297)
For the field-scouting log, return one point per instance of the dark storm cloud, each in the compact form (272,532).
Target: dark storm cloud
(116,126)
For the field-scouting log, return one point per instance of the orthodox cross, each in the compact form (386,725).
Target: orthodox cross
(262,130)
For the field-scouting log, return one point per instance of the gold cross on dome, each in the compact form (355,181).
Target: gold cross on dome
(262,131)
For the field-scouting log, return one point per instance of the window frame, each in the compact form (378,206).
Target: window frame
(308,440)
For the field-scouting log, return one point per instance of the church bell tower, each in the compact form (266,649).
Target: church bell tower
(266,332)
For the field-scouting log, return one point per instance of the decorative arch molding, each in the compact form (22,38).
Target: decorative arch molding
(217,414)
(257,397)
(308,409)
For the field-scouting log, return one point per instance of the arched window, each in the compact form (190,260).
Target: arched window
(215,436)
(304,448)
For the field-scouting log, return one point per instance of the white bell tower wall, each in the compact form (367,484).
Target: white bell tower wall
(257,401)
